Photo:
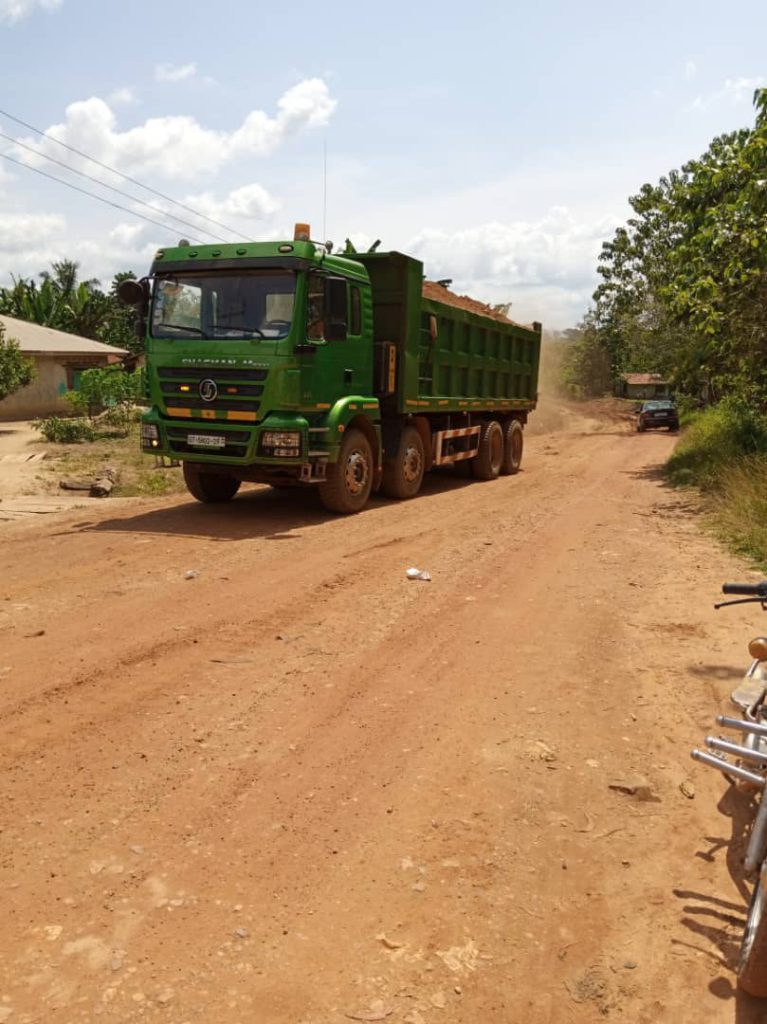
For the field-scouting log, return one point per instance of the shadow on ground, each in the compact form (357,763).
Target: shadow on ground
(259,512)
(716,925)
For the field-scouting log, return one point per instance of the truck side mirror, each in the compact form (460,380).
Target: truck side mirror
(133,293)
(336,309)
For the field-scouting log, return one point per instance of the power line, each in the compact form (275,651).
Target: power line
(84,191)
(127,177)
(112,188)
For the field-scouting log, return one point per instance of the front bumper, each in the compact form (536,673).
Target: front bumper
(203,442)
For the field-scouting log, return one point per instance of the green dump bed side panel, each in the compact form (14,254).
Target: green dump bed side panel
(474,362)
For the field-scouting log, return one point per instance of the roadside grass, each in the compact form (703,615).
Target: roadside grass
(738,508)
(138,476)
(723,453)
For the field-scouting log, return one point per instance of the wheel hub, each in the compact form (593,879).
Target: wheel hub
(411,469)
(357,471)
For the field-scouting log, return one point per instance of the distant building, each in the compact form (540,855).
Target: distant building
(642,385)
(59,360)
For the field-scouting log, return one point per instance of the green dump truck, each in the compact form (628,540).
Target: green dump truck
(284,363)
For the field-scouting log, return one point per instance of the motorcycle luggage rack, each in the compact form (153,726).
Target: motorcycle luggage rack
(757,728)
(733,770)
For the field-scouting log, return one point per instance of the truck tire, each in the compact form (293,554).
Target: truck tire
(752,969)
(348,483)
(513,444)
(486,464)
(209,487)
(403,475)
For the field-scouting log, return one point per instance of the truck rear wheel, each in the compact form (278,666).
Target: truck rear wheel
(513,443)
(348,482)
(403,475)
(487,463)
(209,487)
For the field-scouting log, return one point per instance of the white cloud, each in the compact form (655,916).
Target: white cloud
(175,72)
(739,89)
(126,234)
(690,70)
(122,96)
(734,92)
(14,10)
(545,268)
(249,202)
(178,146)
(23,231)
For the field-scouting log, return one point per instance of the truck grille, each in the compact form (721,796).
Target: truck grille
(238,390)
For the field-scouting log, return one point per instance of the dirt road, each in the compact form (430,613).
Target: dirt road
(297,787)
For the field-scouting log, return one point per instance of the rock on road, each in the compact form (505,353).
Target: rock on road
(252,773)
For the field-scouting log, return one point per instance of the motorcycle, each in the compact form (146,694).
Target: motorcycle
(748,770)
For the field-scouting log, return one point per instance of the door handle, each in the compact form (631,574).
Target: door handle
(348,374)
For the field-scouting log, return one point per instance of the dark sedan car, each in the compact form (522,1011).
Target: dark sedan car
(660,413)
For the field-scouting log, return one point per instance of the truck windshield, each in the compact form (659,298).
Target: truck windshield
(228,306)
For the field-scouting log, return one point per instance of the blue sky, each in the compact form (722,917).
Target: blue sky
(496,141)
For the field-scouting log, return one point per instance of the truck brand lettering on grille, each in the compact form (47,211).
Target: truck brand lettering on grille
(208,390)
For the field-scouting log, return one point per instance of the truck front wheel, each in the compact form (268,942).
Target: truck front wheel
(348,482)
(403,475)
(486,464)
(513,442)
(209,487)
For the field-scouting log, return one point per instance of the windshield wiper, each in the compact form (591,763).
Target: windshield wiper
(243,330)
(181,327)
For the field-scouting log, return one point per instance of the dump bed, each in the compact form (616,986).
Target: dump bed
(454,354)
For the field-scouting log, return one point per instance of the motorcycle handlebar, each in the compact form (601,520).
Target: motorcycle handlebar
(750,589)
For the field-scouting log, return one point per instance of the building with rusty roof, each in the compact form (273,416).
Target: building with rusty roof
(59,360)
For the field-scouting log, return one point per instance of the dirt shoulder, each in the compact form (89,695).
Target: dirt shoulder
(300,787)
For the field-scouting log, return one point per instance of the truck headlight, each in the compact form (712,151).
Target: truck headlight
(281,439)
(281,443)
(150,435)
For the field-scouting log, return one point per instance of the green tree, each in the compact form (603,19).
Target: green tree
(16,370)
(684,281)
(62,301)
(108,388)
(585,369)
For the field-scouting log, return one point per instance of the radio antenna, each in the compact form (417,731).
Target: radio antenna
(324,188)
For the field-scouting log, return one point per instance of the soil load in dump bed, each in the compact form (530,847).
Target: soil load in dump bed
(438,293)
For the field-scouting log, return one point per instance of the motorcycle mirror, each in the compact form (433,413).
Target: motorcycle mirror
(758,648)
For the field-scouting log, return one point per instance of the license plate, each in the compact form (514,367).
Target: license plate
(206,441)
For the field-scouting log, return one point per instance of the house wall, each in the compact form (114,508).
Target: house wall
(647,391)
(44,396)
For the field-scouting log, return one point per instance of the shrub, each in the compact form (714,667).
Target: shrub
(715,440)
(65,431)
